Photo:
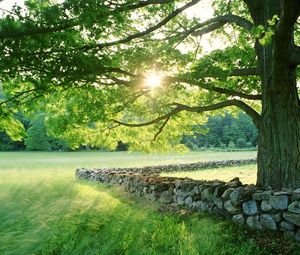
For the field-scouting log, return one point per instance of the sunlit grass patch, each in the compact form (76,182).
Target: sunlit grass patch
(247,174)
(45,210)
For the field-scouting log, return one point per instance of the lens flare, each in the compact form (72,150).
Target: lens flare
(153,80)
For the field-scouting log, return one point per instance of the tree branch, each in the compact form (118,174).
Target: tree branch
(141,4)
(145,32)
(43,30)
(220,90)
(161,128)
(199,109)
(217,22)
(206,86)
(18,95)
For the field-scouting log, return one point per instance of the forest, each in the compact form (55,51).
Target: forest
(226,131)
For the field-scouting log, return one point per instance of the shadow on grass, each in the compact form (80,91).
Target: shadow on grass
(65,216)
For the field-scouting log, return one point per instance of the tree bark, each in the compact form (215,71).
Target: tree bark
(279,129)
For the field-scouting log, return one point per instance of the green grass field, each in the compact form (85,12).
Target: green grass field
(247,174)
(45,210)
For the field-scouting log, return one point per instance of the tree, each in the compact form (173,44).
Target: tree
(37,138)
(105,48)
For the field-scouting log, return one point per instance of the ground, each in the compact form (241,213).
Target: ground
(247,174)
(45,210)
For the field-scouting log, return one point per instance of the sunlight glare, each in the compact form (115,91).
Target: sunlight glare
(153,80)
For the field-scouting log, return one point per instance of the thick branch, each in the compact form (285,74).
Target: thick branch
(199,109)
(220,90)
(203,85)
(141,4)
(145,32)
(284,53)
(216,23)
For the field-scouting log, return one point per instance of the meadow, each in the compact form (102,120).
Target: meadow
(45,210)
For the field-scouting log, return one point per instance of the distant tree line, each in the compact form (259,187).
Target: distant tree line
(220,131)
(224,131)
(36,138)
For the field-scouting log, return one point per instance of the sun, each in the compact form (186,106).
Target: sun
(153,80)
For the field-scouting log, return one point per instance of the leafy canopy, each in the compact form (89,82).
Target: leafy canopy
(84,63)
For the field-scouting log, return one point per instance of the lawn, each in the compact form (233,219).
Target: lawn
(45,210)
(247,174)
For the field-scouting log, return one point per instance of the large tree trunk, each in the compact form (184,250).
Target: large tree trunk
(279,139)
(279,130)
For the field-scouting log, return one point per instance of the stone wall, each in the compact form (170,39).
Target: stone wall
(244,204)
(184,167)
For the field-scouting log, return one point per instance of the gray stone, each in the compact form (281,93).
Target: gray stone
(254,223)
(197,197)
(234,183)
(159,187)
(268,221)
(194,191)
(180,200)
(292,218)
(295,197)
(166,197)
(229,207)
(227,193)
(188,202)
(279,202)
(207,194)
(220,190)
(286,226)
(266,206)
(283,193)
(250,207)
(297,190)
(178,184)
(297,235)
(238,219)
(294,207)
(277,217)
(261,196)
(236,195)
(218,202)
(201,206)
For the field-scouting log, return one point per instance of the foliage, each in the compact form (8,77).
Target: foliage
(38,139)
(224,131)
(82,84)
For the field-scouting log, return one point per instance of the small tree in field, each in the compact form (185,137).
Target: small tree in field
(91,64)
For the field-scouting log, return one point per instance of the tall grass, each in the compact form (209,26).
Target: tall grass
(45,210)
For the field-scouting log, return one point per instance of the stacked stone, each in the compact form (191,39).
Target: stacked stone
(181,167)
(246,205)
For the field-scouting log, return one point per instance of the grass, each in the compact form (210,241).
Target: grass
(45,210)
(246,173)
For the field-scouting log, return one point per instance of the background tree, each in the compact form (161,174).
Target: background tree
(38,139)
(105,48)
(219,130)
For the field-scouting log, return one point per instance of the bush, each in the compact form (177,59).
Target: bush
(241,143)
(249,144)
(231,145)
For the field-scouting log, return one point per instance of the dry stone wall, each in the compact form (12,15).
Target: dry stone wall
(246,205)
